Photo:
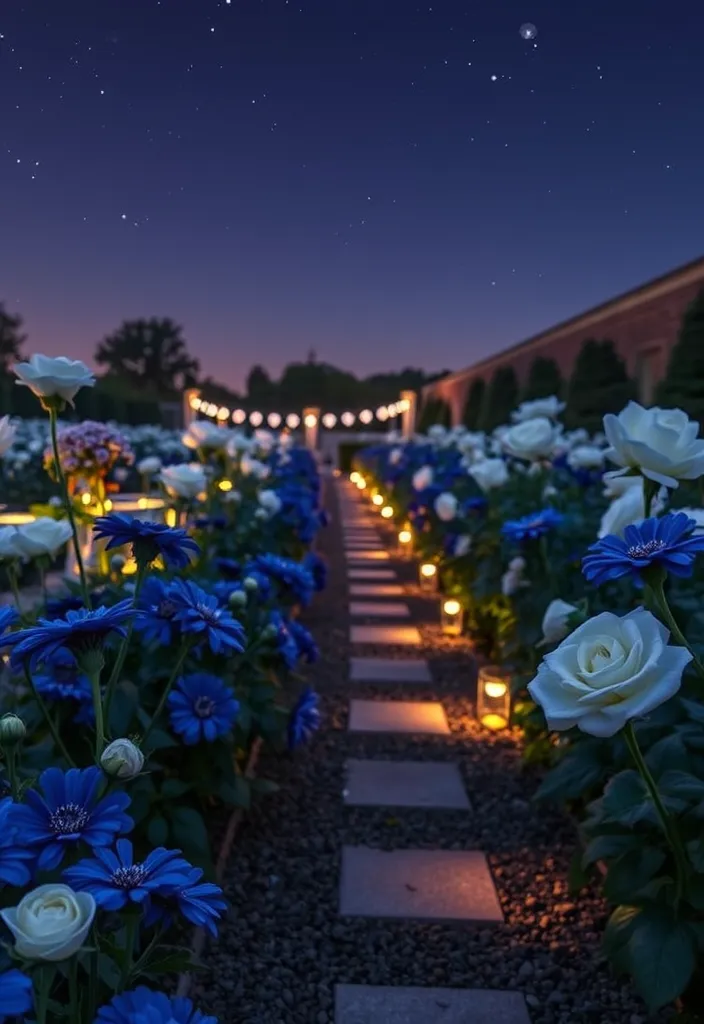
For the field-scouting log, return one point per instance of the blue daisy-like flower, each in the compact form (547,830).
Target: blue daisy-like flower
(305,719)
(80,631)
(114,879)
(286,572)
(200,614)
(62,679)
(16,860)
(16,995)
(669,543)
(201,707)
(143,1006)
(149,541)
(69,810)
(229,568)
(8,617)
(157,618)
(201,903)
(318,569)
(284,640)
(533,526)
(307,647)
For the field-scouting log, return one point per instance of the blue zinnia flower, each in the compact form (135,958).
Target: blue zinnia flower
(148,540)
(16,861)
(318,569)
(668,542)
(80,631)
(201,903)
(229,568)
(285,642)
(156,620)
(62,679)
(8,617)
(305,718)
(292,575)
(69,812)
(114,879)
(201,707)
(307,647)
(143,1006)
(533,526)
(16,995)
(199,613)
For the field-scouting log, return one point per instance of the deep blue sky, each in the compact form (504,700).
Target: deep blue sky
(342,174)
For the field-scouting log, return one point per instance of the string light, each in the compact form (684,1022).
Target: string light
(223,413)
(293,420)
(382,414)
(366,416)
(329,420)
(274,420)
(239,416)
(347,419)
(256,419)
(311,420)
(195,402)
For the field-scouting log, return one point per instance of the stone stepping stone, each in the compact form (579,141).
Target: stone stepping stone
(398,716)
(368,555)
(363,545)
(430,784)
(389,670)
(397,636)
(371,574)
(380,610)
(374,1004)
(376,590)
(418,885)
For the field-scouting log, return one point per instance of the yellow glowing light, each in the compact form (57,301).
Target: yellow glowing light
(377,500)
(361,483)
(311,420)
(354,477)
(223,413)
(405,537)
(239,416)
(85,498)
(16,518)
(107,505)
(452,607)
(129,568)
(170,517)
(387,512)
(494,688)
(195,403)
(225,485)
(212,410)
(493,721)
(428,570)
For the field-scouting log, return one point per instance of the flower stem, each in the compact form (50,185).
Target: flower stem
(662,607)
(74,1000)
(48,719)
(11,572)
(131,932)
(11,762)
(185,647)
(668,824)
(61,477)
(99,718)
(124,646)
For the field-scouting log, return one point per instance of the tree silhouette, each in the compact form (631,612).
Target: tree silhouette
(500,399)
(599,384)
(473,405)
(683,384)
(544,379)
(150,354)
(260,388)
(11,339)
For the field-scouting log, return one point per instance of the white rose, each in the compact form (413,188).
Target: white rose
(445,506)
(436,432)
(541,407)
(270,502)
(512,580)
(122,759)
(185,481)
(149,465)
(8,543)
(697,514)
(51,922)
(253,467)
(662,444)
(489,473)
(463,543)
(44,536)
(555,625)
(422,478)
(608,671)
(531,440)
(627,510)
(586,456)
(7,435)
(615,484)
(203,434)
(50,378)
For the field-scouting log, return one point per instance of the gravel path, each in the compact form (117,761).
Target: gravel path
(284,946)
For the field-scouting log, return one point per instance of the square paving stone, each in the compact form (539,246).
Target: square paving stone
(363,545)
(371,574)
(380,609)
(398,716)
(376,590)
(368,555)
(389,670)
(372,1004)
(418,885)
(399,636)
(429,784)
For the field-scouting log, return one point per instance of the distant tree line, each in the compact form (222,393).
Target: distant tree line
(599,384)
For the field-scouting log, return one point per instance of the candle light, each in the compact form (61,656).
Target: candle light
(405,543)
(354,477)
(16,518)
(451,617)
(387,512)
(428,577)
(377,500)
(361,483)
(493,698)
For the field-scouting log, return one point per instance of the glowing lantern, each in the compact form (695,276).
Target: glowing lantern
(347,419)
(493,698)
(387,512)
(366,416)
(428,577)
(377,500)
(256,419)
(451,617)
(274,420)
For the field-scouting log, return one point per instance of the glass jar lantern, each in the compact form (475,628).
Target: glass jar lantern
(405,543)
(493,697)
(428,577)
(451,615)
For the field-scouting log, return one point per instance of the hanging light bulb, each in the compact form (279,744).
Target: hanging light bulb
(382,414)
(366,416)
(293,420)
(329,420)
(256,419)
(347,419)
(274,420)
(311,420)
(239,416)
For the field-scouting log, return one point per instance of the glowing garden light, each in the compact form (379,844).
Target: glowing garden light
(451,617)
(361,483)
(493,697)
(310,420)
(387,512)
(225,485)
(274,420)
(428,577)
(347,419)
(382,414)
(377,500)
(239,416)
(329,420)
(256,419)
(405,542)
(354,476)
(366,416)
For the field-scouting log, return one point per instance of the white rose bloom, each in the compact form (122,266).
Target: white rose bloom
(697,514)
(462,545)
(531,440)
(44,536)
(184,481)
(662,444)
(238,443)
(253,467)
(203,434)
(8,543)
(513,580)
(615,484)
(149,466)
(122,759)
(7,435)
(54,378)
(422,478)
(489,473)
(446,505)
(555,621)
(51,922)
(608,671)
(541,407)
(436,432)
(628,510)
(270,502)
(586,456)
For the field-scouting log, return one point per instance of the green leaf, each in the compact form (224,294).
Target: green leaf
(164,960)
(160,740)
(158,831)
(579,771)
(626,800)
(630,872)
(668,753)
(189,830)
(606,847)
(694,710)
(172,789)
(682,785)
(662,954)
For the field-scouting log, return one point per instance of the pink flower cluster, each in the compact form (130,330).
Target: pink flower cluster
(90,449)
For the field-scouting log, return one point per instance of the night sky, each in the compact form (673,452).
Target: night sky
(386,182)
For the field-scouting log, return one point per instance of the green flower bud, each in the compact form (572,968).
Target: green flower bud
(12,731)
(250,584)
(237,599)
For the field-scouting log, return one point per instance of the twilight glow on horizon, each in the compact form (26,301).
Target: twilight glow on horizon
(388,183)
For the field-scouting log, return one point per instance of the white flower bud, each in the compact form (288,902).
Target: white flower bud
(122,759)
(237,599)
(118,563)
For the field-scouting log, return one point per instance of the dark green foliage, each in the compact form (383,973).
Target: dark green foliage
(500,399)
(259,386)
(473,405)
(11,339)
(151,354)
(683,384)
(599,384)
(435,411)
(544,379)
